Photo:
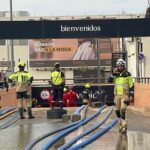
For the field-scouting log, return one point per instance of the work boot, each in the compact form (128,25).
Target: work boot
(30,113)
(53,105)
(21,113)
(22,117)
(120,124)
(24,109)
(123,126)
(61,105)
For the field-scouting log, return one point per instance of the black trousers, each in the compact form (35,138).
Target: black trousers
(58,92)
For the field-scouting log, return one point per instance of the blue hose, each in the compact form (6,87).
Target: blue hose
(67,131)
(32,143)
(67,145)
(5,110)
(77,111)
(94,136)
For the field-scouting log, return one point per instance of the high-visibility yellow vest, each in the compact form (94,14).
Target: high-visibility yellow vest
(56,78)
(122,85)
(21,78)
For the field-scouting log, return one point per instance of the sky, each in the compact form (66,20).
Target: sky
(76,7)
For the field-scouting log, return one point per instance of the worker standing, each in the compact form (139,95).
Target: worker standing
(58,83)
(123,91)
(23,81)
(86,94)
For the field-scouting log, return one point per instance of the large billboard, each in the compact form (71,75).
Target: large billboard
(69,52)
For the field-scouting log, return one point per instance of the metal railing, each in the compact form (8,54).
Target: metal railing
(94,81)
(71,81)
(68,81)
(144,80)
(80,81)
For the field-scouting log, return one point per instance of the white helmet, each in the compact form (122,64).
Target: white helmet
(120,62)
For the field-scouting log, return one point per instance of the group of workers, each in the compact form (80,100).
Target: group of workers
(61,96)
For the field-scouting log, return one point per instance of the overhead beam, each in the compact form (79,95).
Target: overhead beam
(74,28)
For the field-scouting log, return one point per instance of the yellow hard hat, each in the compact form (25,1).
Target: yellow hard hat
(88,85)
(22,64)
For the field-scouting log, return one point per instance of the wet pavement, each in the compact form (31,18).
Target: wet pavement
(22,132)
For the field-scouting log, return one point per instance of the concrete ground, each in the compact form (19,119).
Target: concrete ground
(19,134)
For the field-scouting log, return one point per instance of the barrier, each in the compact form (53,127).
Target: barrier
(8,99)
(41,94)
(141,95)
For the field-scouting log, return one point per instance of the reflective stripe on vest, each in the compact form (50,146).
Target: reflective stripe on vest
(20,77)
(56,78)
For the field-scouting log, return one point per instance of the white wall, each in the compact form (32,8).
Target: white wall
(3,53)
(131,53)
(69,75)
(146,50)
(20,52)
(41,74)
(131,49)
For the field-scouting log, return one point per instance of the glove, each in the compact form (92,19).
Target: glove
(6,84)
(28,83)
(131,98)
(116,72)
(127,102)
(7,89)
(10,81)
(131,94)
(31,80)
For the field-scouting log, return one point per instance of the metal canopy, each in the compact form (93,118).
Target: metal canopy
(74,28)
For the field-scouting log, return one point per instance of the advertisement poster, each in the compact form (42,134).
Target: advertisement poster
(66,51)
(69,52)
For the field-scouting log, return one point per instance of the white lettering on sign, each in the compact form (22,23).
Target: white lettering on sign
(44,94)
(88,28)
